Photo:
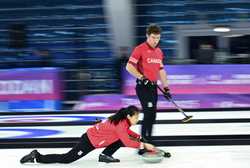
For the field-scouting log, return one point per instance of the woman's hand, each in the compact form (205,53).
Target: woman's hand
(149,147)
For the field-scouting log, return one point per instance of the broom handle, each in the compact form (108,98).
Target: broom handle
(172,101)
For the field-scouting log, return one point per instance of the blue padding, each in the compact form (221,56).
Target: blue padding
(34,105)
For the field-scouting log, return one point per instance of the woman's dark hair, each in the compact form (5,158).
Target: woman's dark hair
(122,114)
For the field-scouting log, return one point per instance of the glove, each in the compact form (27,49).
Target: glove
(142,139)
(167,93)
(145,80)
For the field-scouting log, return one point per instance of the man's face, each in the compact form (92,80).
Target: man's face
(153,39)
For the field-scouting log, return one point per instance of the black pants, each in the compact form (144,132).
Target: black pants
(82,148)
(148,97)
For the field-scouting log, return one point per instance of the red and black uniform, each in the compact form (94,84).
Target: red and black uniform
(104,134)
(148,61)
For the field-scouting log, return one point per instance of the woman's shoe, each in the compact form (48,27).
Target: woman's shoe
(107,159)
(30,157)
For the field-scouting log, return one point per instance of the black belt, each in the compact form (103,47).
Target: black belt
(139,82)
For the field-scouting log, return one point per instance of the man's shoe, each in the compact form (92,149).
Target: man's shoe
(107,159)
(30,157)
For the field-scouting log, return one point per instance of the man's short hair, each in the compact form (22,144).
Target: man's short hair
(153,29)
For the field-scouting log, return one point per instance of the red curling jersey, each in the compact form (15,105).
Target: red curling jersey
(105,133)
(147,60)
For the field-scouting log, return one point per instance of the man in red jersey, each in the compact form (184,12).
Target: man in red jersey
(146,64)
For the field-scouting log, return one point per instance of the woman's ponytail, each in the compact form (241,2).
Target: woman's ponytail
(122,114)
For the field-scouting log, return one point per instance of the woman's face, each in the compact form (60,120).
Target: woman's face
(133,119)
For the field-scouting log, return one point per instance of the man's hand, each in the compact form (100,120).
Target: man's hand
(167,93)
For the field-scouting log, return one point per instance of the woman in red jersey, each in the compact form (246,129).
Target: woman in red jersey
(112,133)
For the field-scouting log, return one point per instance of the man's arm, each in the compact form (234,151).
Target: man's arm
(133,71)
(163,76)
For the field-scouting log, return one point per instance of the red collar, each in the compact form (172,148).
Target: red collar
(128,122)
(152,47)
